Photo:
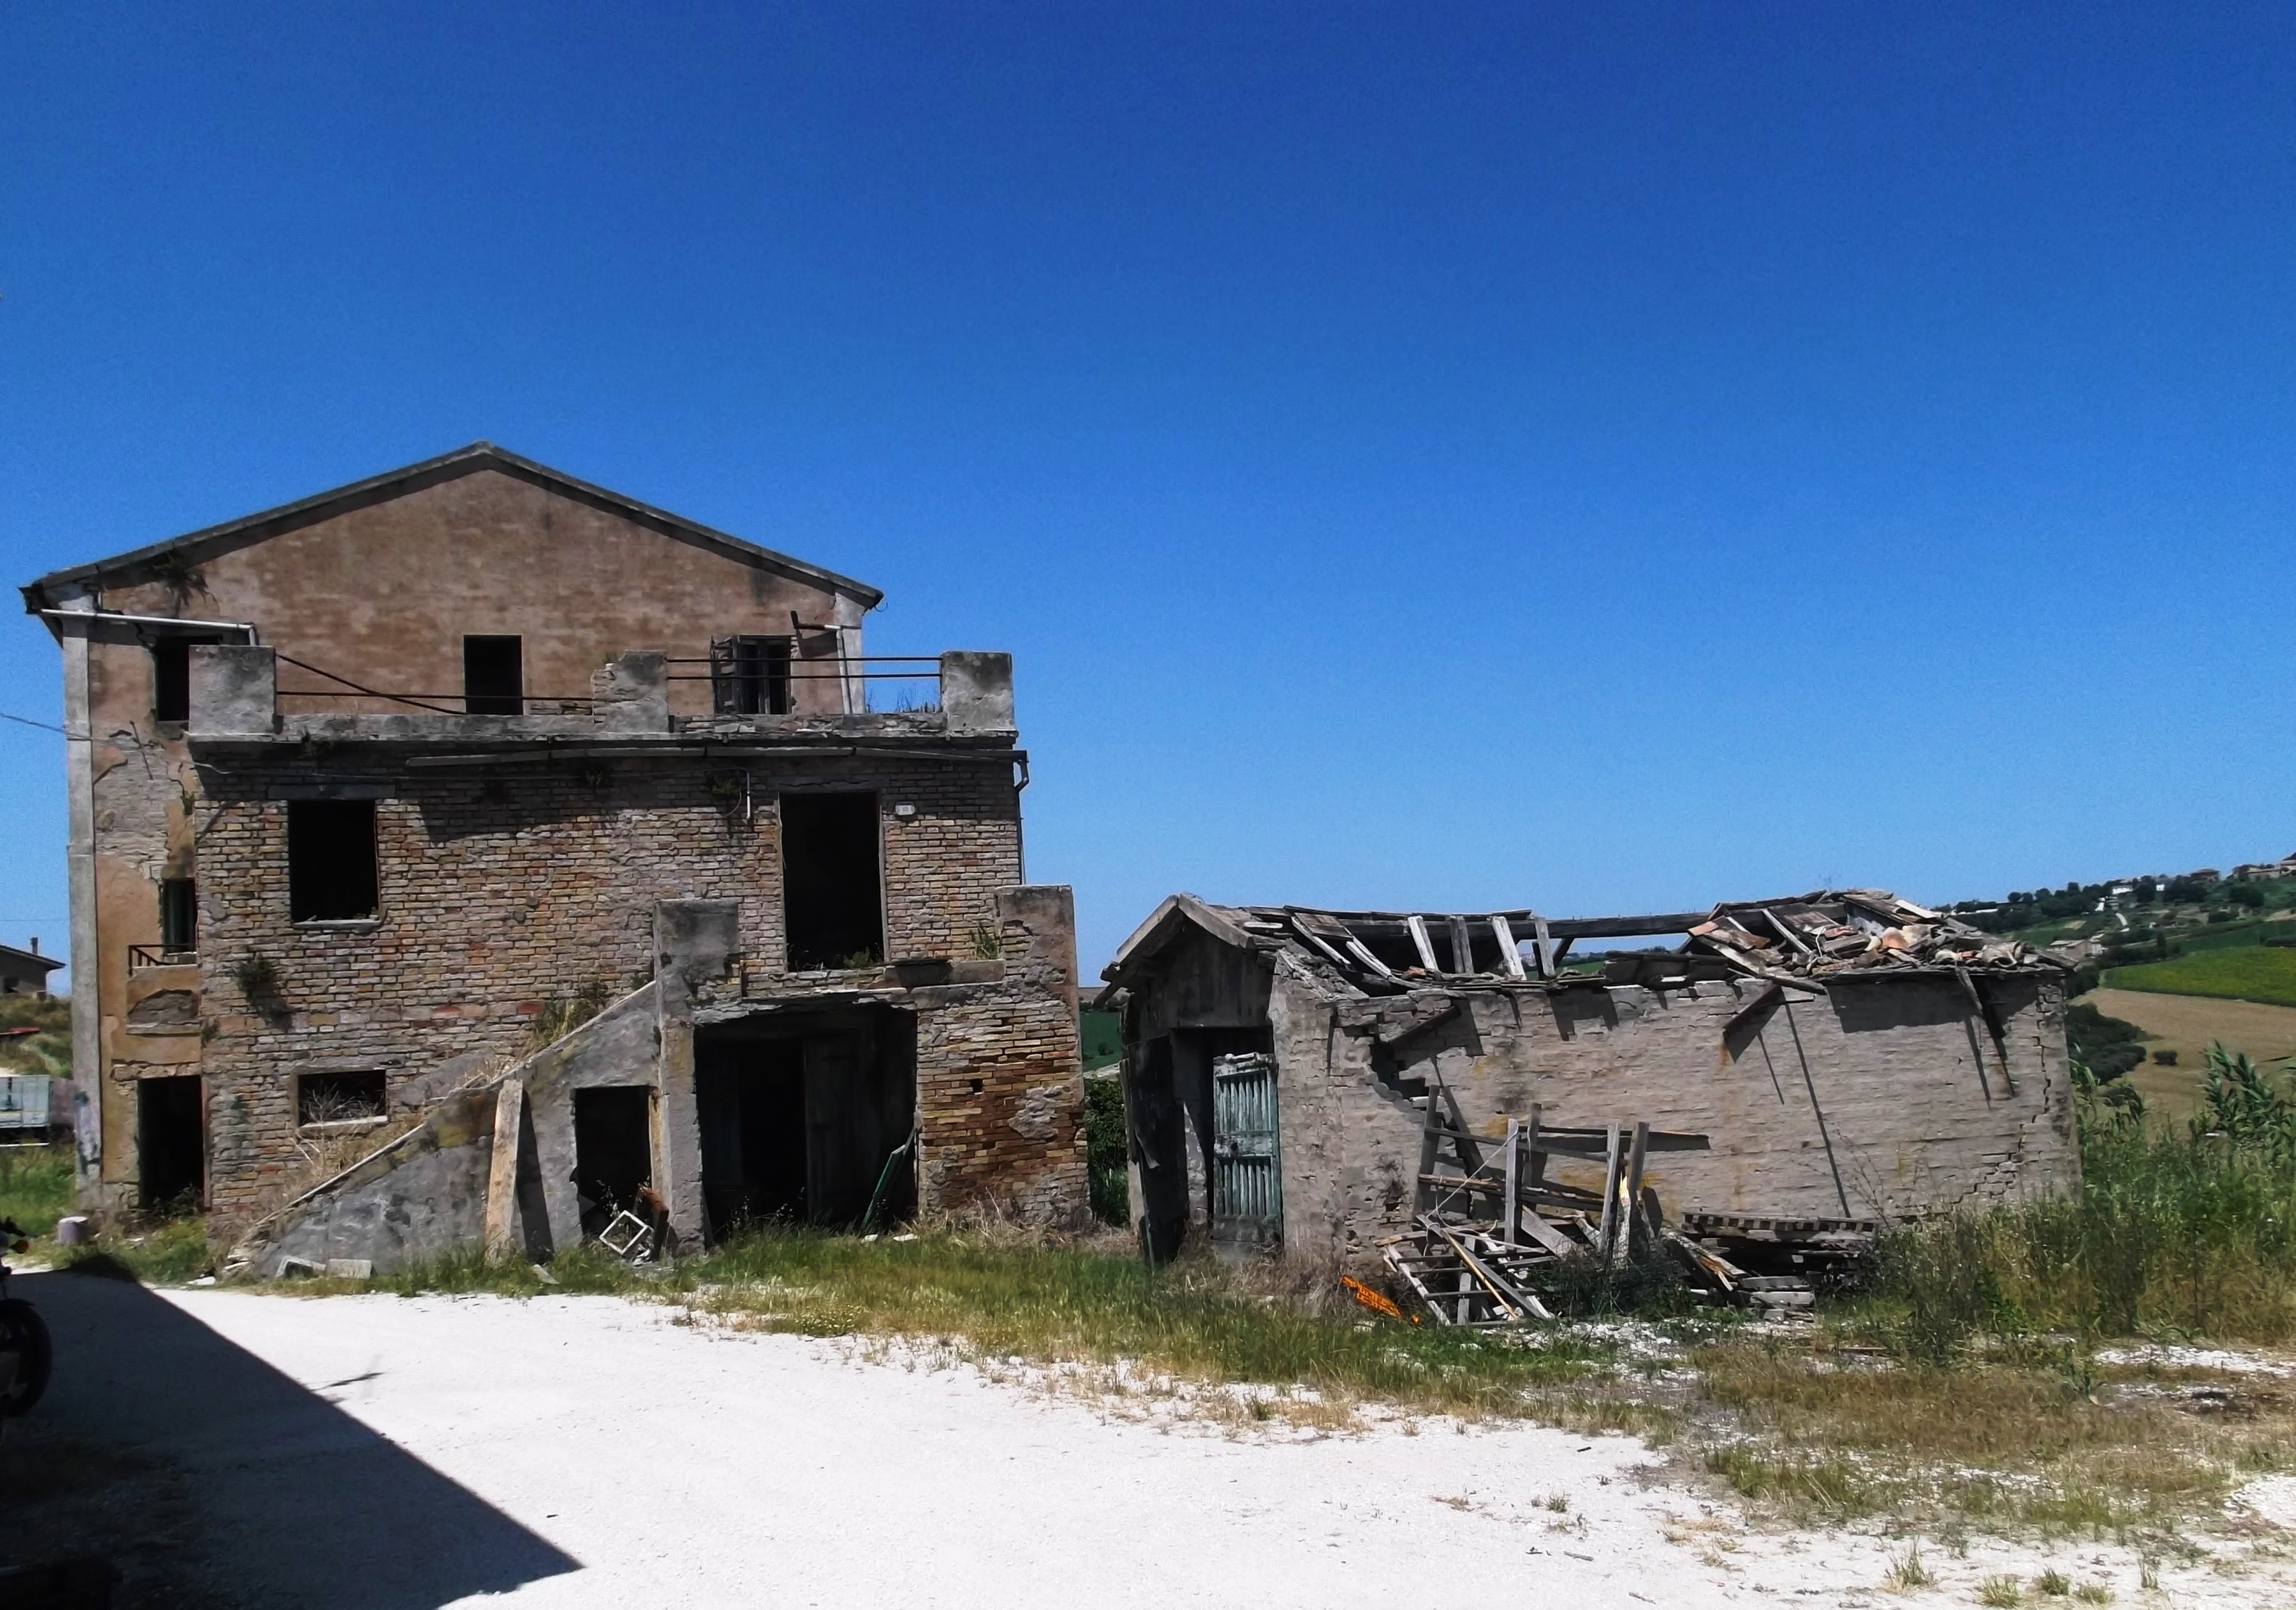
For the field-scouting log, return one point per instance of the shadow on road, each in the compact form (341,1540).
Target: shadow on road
(214,1479)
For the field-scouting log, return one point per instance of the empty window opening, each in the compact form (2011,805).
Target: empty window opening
(171,1144)
(834,912)
(171,676)
(613,1151)
(750,676)
(338,1097)
(179,916)
(331,875)
(807,1125)
(493,677)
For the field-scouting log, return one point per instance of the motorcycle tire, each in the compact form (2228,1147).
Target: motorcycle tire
(23,1333)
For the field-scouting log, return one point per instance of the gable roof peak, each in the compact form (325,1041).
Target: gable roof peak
(192,546)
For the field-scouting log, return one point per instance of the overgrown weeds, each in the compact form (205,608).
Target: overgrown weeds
(2193,1231)
(35,1186)
(1968,1381)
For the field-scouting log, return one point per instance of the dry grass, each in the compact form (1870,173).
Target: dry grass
(2016,1440)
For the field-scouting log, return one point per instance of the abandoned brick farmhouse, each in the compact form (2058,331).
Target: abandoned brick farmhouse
(560,847)
(1829,1060)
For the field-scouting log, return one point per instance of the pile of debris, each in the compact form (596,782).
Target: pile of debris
(1497,1242)
(1838,933)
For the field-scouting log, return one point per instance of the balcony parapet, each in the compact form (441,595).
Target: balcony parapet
(236,704)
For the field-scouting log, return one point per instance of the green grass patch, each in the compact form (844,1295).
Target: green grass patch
(2257,972)
(35,1186)
(166,1254)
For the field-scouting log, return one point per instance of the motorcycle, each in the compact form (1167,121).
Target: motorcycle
(26,1355)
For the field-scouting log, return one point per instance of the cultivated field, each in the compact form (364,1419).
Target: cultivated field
(2186,1024)
(2255,973)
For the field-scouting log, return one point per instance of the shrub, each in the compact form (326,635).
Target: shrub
(2195,1230)
(1105,1153)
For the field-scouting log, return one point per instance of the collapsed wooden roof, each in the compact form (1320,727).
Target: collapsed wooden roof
(1798,939)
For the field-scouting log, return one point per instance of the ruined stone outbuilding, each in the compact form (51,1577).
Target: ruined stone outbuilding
(559,846)
(1849,1055)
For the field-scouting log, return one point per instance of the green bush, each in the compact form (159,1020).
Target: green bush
(1105,1153)
(2107,1045)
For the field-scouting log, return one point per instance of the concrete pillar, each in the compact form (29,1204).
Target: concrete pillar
(234,689)
(976,692)
(694,942)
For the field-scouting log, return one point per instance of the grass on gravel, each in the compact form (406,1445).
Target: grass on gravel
(1196,1321)
(2037,1436)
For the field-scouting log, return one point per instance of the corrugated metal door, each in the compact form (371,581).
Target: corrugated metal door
(1246,1162)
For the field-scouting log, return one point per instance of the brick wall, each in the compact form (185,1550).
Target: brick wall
(504,889)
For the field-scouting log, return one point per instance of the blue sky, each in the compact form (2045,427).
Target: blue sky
(1591,457)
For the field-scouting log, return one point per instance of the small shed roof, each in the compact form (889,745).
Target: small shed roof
(1795,939)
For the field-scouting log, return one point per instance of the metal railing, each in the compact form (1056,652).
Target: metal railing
(441,704)
(140,956)
(770,687)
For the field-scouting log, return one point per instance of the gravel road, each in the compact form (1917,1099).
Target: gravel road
(357,1452)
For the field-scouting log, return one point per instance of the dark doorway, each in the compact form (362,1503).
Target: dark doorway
(802,1117)
(179,917)
(752,1111)
(835,916)
(613,1150)
(171,676)
(493,677)
(331,872)
(171,1144)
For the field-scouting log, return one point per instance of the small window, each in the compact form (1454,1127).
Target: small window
(330,873)
(171,676)
(338,1097)
(830,883)
(179,916)
(750,676)
(493,677)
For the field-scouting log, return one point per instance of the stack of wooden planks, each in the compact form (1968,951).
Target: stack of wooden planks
(1494,1230)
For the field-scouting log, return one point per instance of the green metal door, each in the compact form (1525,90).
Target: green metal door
(1247,1160)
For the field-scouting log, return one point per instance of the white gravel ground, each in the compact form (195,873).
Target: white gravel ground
(591,1451)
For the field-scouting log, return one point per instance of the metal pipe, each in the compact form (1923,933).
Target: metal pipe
(94,615)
